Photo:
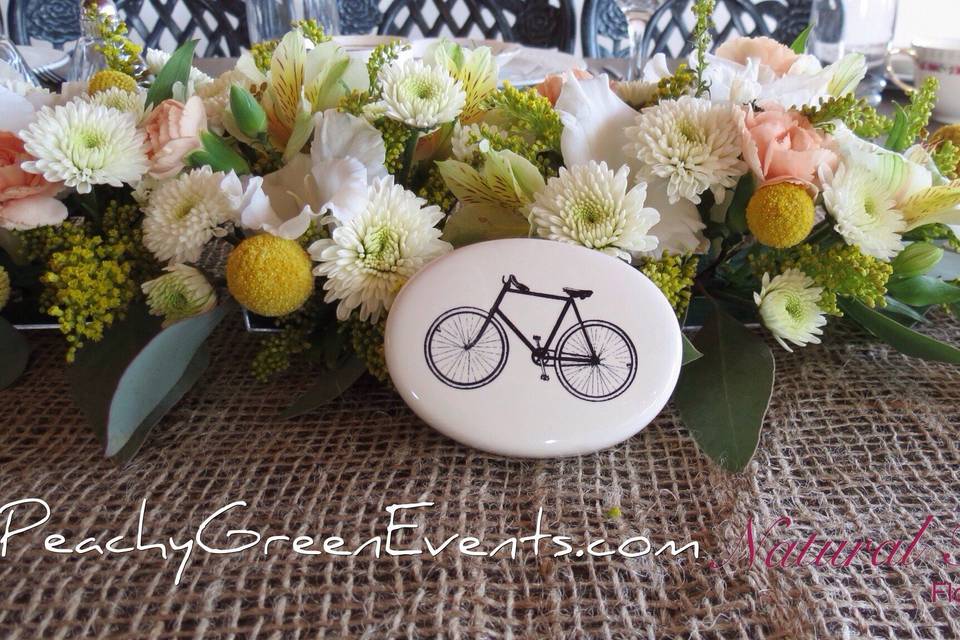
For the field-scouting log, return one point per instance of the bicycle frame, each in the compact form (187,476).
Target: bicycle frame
(543,351)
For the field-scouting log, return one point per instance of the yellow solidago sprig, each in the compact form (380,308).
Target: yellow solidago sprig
(780,215)
(88,289)
(381,56)
(5,288)
(855,113)
(270,276)
(119,52)
(842,270)
(278,350)
(702,39)
(121,224)
(367,341)
(680,84)
(674,276)
(529,114)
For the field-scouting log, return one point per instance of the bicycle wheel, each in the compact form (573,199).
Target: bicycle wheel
(450,359)
(599,378)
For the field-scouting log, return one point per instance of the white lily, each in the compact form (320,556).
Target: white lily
(594,118)
(347,154)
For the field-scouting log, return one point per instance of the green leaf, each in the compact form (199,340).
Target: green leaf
(923,291)
(905,340)
(737,213)
(799,45)
(690,353)
(723,396)
(176,70)
(897,140)
(896,308)
(16,353)
(219,155)
(329,387)
(125,383)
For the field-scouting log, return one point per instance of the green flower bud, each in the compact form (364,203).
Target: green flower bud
(182,292)
(4,288)
(249,115)
(917,259)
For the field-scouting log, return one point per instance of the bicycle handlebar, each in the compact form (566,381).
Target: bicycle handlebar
(512,280)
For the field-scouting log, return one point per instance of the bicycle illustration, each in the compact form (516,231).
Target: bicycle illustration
(595,360)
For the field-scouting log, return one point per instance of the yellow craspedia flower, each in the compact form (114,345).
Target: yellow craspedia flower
(108,79)
(4,288)
(780,215)
(270,276)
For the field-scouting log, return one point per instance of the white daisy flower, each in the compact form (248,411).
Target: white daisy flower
(692,142)
(420,95)
(590,205)
(790,308)
(865,210)
(182,292)
(83,144)
(130,102)
(183,214)
(371,255)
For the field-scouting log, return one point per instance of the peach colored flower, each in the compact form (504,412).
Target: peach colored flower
(26,199)
(782,146)
(767,51)
(552,85)
(173,130)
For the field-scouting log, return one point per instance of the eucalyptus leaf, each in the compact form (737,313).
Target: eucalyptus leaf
(177,69)
(923,291)
(799,45)
(690,353)
(127,381)
(14,354)
(737,213)
(723,396)
(330,386)
(903,339)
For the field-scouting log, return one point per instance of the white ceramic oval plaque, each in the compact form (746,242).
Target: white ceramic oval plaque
(533,348)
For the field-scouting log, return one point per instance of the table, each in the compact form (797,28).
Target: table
(860,442)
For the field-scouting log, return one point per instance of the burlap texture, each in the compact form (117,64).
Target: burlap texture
(860,442)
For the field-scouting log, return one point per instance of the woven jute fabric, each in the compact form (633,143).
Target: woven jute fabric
(860,442)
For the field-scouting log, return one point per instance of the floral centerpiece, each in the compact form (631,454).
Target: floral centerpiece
(750,185)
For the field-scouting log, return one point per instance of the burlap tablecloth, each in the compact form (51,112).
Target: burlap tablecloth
(860,442)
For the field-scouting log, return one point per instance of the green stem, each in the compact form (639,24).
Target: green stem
(409,149)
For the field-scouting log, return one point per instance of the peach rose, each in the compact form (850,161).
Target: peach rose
(767,51)
(173,130)
(26,199)
(782,146)
(552,85)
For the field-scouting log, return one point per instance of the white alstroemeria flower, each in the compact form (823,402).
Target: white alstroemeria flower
(592,206)
(790,309)
(369,257)
(347,153)
(594,119)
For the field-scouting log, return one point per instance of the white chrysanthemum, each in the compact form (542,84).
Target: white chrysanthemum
(371,256)
(467,141)
(182,292)
(420,95)
(790,308)
(693,143)
(590,205)
(83,144)
(130,102)
(636,93)
(865,211)
(184,214)
(156,60)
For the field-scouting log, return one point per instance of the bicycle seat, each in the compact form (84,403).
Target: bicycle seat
(519,285)
(580,294)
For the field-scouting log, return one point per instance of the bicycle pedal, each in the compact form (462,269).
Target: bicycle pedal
(545,377)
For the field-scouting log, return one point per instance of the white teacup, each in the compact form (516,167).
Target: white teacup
(939,58)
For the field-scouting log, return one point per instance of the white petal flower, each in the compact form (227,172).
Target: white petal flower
(83,144)
(790,308)
(184,214)
(590,205)
(156,59)
(594,118)
(420,95)
(371,256)
(636,93)
(468,142)
(182,292)
(680,230)
(865,210)
(694,143)
(132,102)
